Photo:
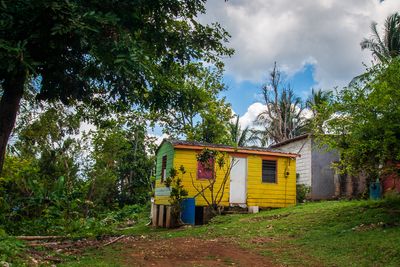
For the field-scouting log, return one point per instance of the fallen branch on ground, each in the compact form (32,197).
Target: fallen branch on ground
(113,241)
(29,238)
(50,244)
(57,260)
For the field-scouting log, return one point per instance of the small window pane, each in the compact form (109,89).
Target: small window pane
(164,168)
(205,170)
(269,171)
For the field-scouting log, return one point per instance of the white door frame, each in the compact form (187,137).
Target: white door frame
(244,183)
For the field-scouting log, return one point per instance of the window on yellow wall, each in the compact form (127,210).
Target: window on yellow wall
(164,168)
(205,170)
(269,171)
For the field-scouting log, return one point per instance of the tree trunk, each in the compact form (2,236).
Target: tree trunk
(13,89)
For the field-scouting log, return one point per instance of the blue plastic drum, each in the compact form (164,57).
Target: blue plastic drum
(188,211)
(375,190)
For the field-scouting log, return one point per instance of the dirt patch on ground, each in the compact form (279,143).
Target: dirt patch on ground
(189,252)
(47,252)
(147,251)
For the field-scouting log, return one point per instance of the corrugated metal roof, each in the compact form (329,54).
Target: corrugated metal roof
(248,150)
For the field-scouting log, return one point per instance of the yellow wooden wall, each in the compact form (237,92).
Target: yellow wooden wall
(281,194)
(187,158)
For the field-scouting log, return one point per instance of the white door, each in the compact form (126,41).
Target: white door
(238,182)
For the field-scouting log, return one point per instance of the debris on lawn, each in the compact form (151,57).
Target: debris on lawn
(53,249)
(262,240)
(366,227)
(265,218)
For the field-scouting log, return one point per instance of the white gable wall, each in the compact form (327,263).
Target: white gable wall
(303,163)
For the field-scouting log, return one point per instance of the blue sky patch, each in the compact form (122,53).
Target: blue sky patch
(242,94)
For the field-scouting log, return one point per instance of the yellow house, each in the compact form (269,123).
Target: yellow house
(258,178)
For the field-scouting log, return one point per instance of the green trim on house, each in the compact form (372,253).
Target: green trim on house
(168,150)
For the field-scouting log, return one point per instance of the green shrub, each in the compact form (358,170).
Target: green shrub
(9,247)
(392,199)
(105,223)
(127,212)
(102,224)
(302,192)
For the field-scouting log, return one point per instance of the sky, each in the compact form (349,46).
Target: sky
(316,44)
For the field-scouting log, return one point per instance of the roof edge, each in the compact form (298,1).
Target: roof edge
(240,150)
(297,138)
(245,150)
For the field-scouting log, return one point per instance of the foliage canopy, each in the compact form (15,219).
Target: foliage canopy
(121,52)
(364,123)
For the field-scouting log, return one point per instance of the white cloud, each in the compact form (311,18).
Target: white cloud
(325,33)
(255,109)
(251,114)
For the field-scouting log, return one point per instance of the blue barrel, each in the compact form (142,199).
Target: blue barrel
(375,190)
(188,210)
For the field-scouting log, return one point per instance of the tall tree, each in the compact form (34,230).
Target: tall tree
(122,163)
(282,118)
(388,46)
(119,52)
(317,98)
(196,111)
(41,178)
(50,137)
(364,122)
(317,103)
(213,127)
(239,136)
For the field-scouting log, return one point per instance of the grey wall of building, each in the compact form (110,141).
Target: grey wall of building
(314,167)
(322,172)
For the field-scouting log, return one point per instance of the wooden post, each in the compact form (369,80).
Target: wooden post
(206,214)
(151,209)
(154,219)
(161,216)
(168,217)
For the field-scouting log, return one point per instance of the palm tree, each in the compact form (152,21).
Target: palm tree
(240,137)
(283,117)
(317,103)
(387,47)
(317,99)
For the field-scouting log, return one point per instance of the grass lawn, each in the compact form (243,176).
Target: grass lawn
(332,233)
